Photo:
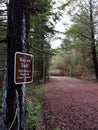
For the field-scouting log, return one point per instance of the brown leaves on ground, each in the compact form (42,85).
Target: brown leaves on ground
(70,104)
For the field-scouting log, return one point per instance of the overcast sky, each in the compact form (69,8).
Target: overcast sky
(60,25)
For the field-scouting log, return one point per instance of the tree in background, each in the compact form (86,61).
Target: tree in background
(3,28)
(83,32)
(3,20)
(41,31)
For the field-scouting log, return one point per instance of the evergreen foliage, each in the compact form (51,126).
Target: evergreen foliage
(41,30)
(81,39)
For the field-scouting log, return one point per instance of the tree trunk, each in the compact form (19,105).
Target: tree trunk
(93,46)
(95,62)
(17,40)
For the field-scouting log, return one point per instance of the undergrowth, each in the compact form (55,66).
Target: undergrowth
(34,109)
(33,113)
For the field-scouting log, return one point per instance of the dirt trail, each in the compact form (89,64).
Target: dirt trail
(70,104)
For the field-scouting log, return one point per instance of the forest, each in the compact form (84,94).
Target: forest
(29,26)
(78,54)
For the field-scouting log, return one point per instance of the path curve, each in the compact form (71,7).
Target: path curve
(70,104)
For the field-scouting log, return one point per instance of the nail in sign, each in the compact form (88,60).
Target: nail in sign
(23,68)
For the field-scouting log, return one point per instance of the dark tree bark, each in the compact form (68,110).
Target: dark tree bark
(93,46)
(17,40)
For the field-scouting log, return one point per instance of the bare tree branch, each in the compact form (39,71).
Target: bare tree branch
(42,51)
(84,36)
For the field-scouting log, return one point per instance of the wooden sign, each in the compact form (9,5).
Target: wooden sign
(23,68)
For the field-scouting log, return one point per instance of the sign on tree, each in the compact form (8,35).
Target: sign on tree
(23,68)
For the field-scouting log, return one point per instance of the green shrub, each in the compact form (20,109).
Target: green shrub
(33,113)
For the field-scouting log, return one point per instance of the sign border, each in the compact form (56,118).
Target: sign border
(15,67)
